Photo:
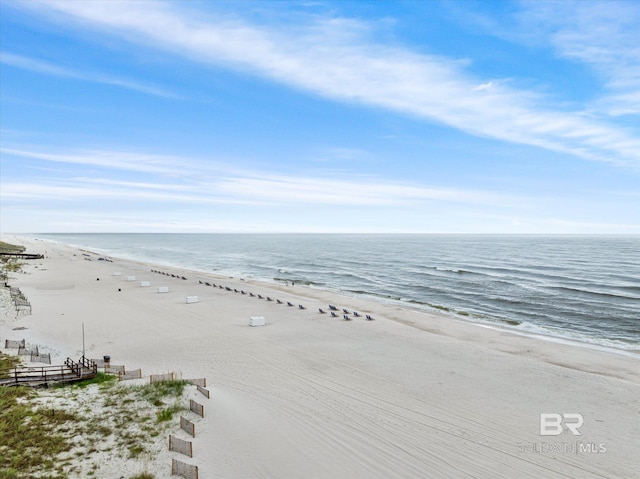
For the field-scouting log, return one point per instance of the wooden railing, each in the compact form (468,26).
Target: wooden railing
(69,371)
(23,255)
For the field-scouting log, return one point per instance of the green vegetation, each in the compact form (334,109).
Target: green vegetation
(38,440)
(10,248)
(103,379)
(29,437)
(156,392)
(7,363)
(10,264)
(167,414)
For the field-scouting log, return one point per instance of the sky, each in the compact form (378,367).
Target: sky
(320,116)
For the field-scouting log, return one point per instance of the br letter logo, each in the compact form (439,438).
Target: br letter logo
(552,424)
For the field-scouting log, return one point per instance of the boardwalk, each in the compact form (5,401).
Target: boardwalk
(22,255)
(70,371)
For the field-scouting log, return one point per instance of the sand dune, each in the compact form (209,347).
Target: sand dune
(311,396)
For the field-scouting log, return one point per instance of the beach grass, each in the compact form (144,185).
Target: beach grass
(10,264)
(10,248)
(6,363)
(29,437)
(39,438)
(155,393)
(103,379)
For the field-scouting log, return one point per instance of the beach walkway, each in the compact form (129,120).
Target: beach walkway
(70,371)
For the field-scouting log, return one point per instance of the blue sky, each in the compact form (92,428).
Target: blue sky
(318,116)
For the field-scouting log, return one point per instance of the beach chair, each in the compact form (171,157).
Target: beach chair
(345,311)
(278,301)
(260,296)
(289,304)
(252,295)
(320,311)
(369,318)
(301,307)
(355,313)
(333,315)
(269,299)
(346,318)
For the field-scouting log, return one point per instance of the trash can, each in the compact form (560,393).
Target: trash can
(107,359)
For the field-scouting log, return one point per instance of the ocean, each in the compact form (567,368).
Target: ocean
(579,288)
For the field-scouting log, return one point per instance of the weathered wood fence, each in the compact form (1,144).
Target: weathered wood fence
(179,468)
(180,445)
(187,426)
(196,408)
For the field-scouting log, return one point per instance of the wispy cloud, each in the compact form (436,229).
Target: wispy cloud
(183,179)
(599,34)
(332,58)
(46,68)
(358,191)
(602,35)
(113,160)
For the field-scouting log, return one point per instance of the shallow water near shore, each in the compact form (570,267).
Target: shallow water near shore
(584,288)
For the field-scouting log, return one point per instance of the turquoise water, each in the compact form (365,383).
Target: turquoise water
(584,288)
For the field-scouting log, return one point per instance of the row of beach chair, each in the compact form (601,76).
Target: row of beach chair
(259,296)
(177,276)
(332,309)
(345,316)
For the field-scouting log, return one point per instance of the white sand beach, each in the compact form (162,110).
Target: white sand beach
(409,395)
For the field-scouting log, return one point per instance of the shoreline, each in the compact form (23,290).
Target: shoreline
(431,312)
(407,395)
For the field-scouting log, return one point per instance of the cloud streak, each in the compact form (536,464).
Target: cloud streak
(186,180)
(113,160)
(46,68)
(332,58)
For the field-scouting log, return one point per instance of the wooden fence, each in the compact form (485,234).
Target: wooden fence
(196,408)
(156,378)
(203,391)
(187,426)
(23,351)
(13,344)
(133,374)
(41,358)
(179,468)
(180,445)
